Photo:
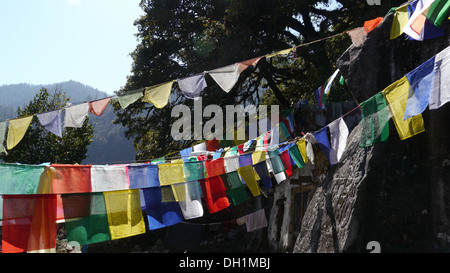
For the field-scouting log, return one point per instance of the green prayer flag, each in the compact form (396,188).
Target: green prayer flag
(128,98)
(375,120)
(294,152)
(235,188)
(275,160)
(341,80)
(438,12)
(86,218)
(193,170)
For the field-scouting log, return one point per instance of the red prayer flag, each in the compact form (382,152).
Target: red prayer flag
(29,223)
(214,193)
(215,167)
(371,24)
(213,145)
(286,162)
(72,178)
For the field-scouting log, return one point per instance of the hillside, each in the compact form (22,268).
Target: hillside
(109,144)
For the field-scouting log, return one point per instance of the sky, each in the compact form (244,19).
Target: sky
(51,41)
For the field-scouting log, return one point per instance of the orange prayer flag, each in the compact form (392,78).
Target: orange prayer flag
(371,24)
(97,107)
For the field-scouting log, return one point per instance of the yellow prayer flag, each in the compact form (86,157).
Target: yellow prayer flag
(302,147)
(400,20)
(281,52)
(158,94)
(179,192)
(396,96)
(258,156)
(248,175)
(124,213)
(170,173)
(16,131)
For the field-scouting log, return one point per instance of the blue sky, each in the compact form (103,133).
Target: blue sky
(50,41)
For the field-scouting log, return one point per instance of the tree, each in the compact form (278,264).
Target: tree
(179,38)
(39,145)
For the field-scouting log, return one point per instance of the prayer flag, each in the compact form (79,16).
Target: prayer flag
(440,93)
(192,86)
(245,160)
(137,174)
(130,97)
(258,156)
(396,96)
(371,24)
(275,160)
(296,156)
(248,175)
(215,167)
(263,173)
(375,118)
(170,173)
(76,115)
(2,137)
(17,130)
(286,162)
(160,214)
(212,145)
(324,143)
(236,189)
(71,178)
(438,12)
(109,178)
(214,194)
(338,139)
(324,89)
(302,147)
(421,84)
(97,107)
(29,223)
(358,36)
(256,220)
(124,213)
(189,199)
(158,94)
(51,121)
(185,153)
(88,225)
(193,170)
(401,18)
(231,163)
(227,76)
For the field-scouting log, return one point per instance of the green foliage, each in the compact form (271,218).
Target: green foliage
(39,145)
(180,38)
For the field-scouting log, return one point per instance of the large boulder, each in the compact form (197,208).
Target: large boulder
(395,193)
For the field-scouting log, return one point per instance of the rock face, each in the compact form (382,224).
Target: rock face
(396,193)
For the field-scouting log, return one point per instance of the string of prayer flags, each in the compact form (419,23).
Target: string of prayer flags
(375,118)
(160,214)
(281,52)
(170,173)
(248,175)
(75,115)
(17,130)
(51,121)
(88,225)
(263,173)
(29,223)
(396,96)
(421,84)
(236,189)
(440,93)
(130,97)
(338,139)
(158,94)
(192,86)
(97,107)
(71,178)
(214,194)
(124,213)
(109,178)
